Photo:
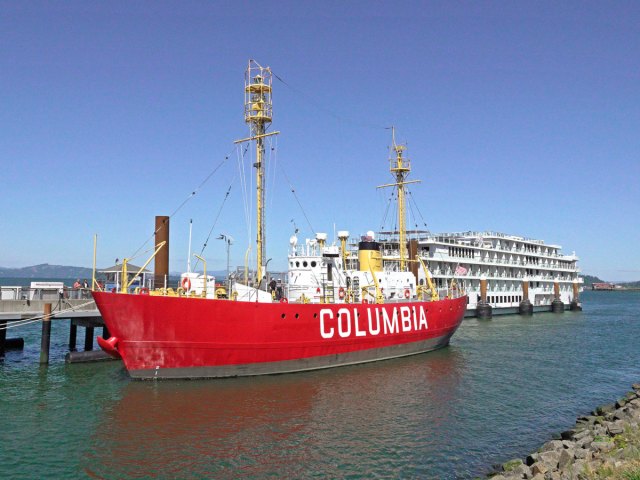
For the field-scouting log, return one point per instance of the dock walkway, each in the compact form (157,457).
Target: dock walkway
(80,312)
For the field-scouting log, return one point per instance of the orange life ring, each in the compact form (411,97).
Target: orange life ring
(186,283)
(113,290)
(144,291)
(407,293)
(364,300)
(284,300)
(318,290)
(341,293)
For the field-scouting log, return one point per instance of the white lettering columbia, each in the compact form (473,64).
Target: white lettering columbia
(347,323)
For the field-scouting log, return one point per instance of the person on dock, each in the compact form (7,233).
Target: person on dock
(76,288)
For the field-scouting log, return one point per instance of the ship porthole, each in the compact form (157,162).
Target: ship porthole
(283,315)
(315,315)
(297,315)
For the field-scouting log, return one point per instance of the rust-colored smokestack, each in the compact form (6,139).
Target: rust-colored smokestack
(161,268)
(413,257)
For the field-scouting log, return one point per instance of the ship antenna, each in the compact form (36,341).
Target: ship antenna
(400,167)
(258,111)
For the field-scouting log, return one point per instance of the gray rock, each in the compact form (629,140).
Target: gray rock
(539,468)
(566,458)
(539,476)
(587,419)
(604,409)
(621,403)
(616,428)
(600,431)
(552,445)
(552,476)
(575,434)
(550,459)
(603,446)
(636,387)
(576,468)
(630,452)
(511,465)
(522,470)
(568,444)
(584,442)
(582,454)
(621,414)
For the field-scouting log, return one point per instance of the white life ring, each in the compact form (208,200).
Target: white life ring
(341,293)
(407,293)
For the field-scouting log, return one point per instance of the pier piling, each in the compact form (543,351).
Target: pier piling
(575,303)
(483,310)
(3,336)
(88,339)
(73,335)
(46,335)
(525,307)
(557,306)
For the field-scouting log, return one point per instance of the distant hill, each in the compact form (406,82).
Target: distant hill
(590,280)
(46,271)
(66,272)
(631,284)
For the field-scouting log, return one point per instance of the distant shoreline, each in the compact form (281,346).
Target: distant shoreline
(619,289)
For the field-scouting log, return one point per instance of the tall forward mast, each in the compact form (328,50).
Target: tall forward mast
(400,167)
(258,111)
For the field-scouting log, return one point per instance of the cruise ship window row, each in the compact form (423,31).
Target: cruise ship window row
(508,262)
(544,254)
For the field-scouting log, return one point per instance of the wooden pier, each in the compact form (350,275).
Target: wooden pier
(81,312)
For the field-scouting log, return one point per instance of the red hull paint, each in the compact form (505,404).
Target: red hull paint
(158,334)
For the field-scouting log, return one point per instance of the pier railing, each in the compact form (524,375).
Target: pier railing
(43,293)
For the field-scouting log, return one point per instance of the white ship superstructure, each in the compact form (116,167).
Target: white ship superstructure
(513,268)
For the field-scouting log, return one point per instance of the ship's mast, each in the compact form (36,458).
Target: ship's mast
(258,112)
(400,167)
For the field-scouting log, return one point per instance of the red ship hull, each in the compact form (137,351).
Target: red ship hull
(175,337)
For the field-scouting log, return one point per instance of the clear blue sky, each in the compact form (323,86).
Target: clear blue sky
(520,117)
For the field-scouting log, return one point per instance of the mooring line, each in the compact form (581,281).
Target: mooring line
(38,318)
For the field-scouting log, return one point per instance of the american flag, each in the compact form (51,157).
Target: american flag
(460,270)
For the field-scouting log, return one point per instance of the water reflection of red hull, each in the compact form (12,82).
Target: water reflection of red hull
(191,429)
(174,337)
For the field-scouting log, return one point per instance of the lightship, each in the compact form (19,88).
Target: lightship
(337,306)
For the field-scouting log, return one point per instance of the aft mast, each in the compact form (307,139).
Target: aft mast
(400,167)
(258,111)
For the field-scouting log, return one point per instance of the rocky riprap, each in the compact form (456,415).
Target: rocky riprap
(605,444)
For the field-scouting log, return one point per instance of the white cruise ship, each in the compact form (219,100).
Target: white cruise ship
(511,268)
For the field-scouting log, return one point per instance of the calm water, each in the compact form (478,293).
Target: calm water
(499,391)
